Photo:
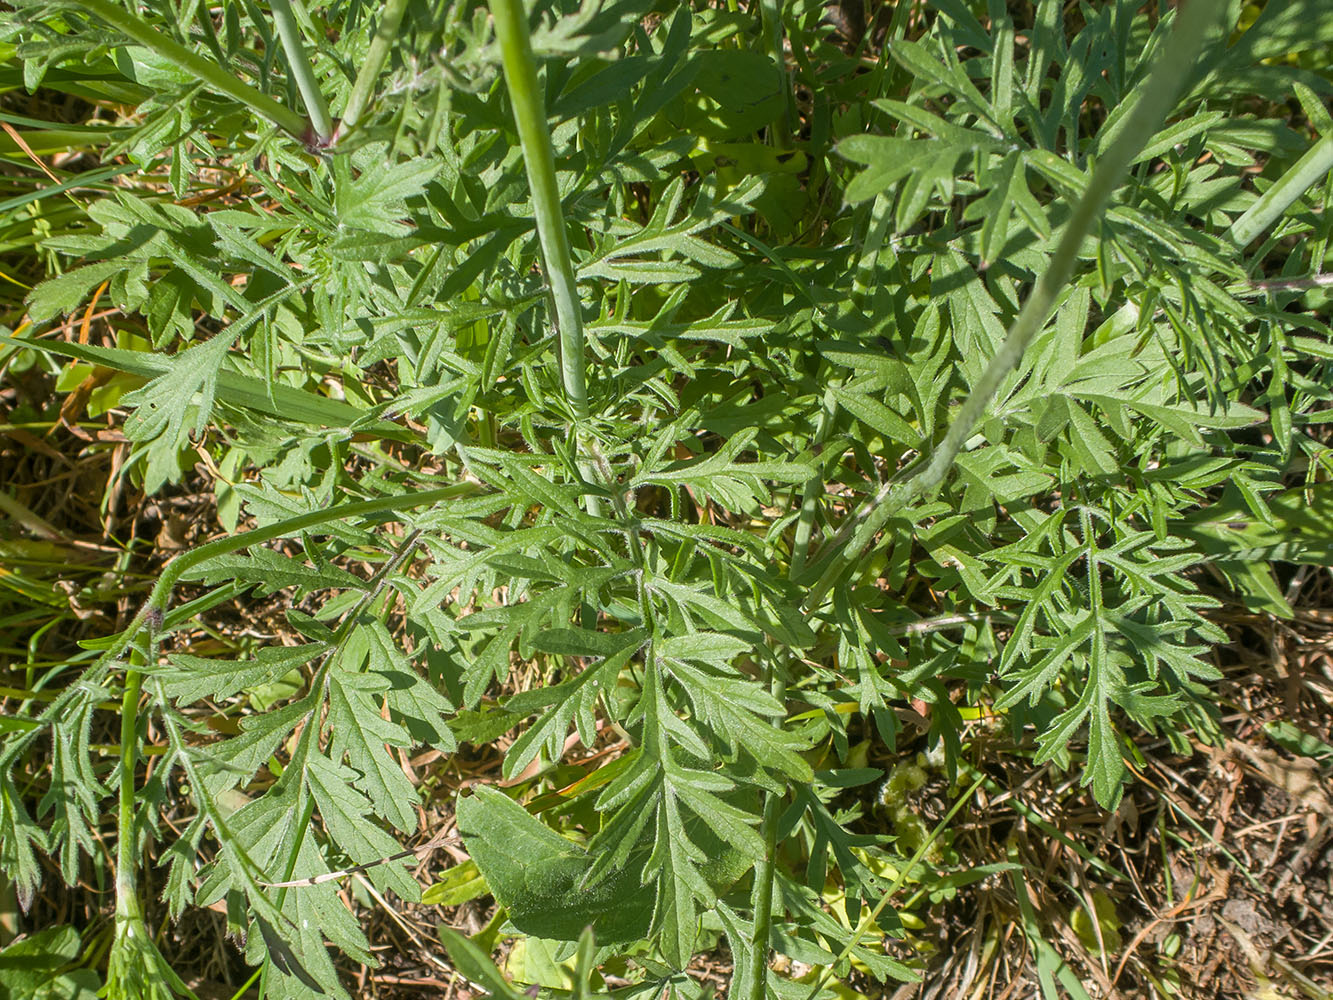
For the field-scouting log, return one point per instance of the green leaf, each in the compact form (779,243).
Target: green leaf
(274,399)
(347,813)
(705,646)
(927,165)
(738,713)
(18,836)
(476,965)
(234,761)
(1295,740)
(192,678)
(270,571)
(878,417)
(173,407)
(537,875)
(65,293)
(572,699)
(458,885)
(1105,763)
(37,967)
(357,730)
(374,201)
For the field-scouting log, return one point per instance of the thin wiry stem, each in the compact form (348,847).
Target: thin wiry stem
(1178,59)
(213,76)
(903,875)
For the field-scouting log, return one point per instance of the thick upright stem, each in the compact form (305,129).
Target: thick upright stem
(1309,170)
(386,32)
(131,942)
(781,131)
(302,72)
(520,69)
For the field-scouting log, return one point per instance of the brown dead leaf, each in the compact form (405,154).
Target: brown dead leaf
(173,535)
(1301,780)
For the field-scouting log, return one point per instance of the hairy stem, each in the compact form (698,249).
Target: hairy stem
(213,76)
(525,92)
(127,861)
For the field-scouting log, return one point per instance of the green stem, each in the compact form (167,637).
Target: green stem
(1306,172)
(1193,22)
(761,896)
(150,617)
(127,861)
(770,12)
(386,33)
(174,570)
(810,493)
(775,677)
(525,92)
(132,947)
(903,875)
(156,605)
(312,731)
(214,76)
(289,32)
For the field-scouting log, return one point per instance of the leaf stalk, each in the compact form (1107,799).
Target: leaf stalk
(1305,173)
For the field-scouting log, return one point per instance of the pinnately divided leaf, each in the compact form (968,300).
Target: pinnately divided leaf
(679,443)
